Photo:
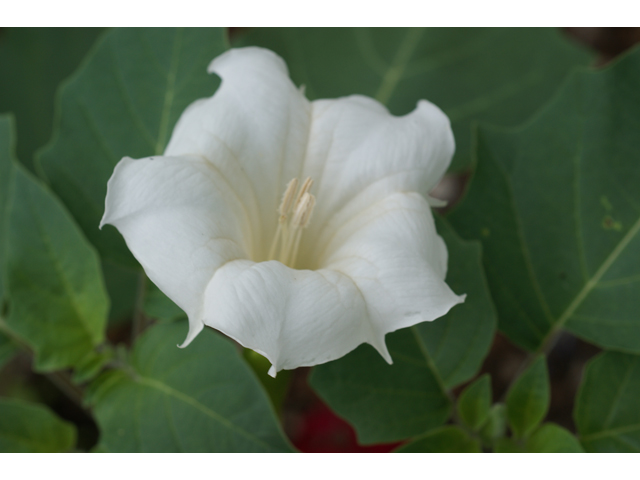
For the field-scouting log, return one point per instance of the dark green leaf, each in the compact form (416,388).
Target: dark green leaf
(53,284)
(556,205)
(606,412)
(33,62)
(203,398)
(7,157)
(551,438)
(122,285)
(508,445)
(124,101)
(497,75)
(528,399)
(387,403)
(32,428)
(474,403)
(7,349)
(159,307)
(448,439)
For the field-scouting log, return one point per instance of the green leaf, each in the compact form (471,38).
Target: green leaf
(499,75)
(551,438)
(123,101)
(528,399)
(496,425)
(122,285)
(7,349)
(7,157)
(33,62)
(556,205)
(387,403)
(447,439)
(606,412)
(474,403)
(56,297)
(160,307)
(32,428)
(203,398)
(508,445)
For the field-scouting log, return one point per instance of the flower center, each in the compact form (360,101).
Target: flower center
(294,216)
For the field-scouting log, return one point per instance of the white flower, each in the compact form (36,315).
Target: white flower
(226,226)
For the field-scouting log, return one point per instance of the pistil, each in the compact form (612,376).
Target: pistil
(293,218)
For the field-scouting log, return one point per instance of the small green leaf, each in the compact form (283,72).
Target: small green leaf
(32,428)
(497,75)
(508,445)
(528,399)
(551,438)
(606,412)
(123,101)
(556,205)
(202,398)
(447,439)
(53,285)
(474,403)
(496,425)
(387,403)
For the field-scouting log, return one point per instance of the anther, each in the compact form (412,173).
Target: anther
(287,198)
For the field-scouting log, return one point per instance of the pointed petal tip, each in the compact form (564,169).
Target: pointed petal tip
(194,329)
(247,55)
(272,371)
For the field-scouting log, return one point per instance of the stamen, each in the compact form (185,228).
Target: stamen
(293,218)
(287,198)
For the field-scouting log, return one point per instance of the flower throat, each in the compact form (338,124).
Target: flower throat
(294,216)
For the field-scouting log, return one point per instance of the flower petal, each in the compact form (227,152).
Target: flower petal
(359,153)
(182,221)
(261,119)
(393,254)
(292,317)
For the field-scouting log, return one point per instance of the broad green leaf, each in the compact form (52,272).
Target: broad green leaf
(474,403)
(606,412)
(447,439)
(160,307)
(123,101)
(202,398)
(556,205)
(528,399)
(33,62)
(498,75)
(33,428)
(122,285)
(7,157)
(56,297)
(551,438)
(387,403)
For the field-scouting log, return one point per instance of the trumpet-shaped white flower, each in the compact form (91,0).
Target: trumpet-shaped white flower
(299,229)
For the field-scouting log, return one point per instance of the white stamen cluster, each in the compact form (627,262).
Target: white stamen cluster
(294,216)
